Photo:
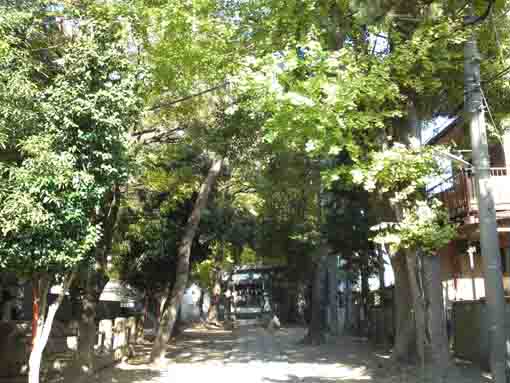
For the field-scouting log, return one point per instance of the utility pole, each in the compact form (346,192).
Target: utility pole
(489,241)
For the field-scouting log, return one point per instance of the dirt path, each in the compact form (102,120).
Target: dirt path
(253,355)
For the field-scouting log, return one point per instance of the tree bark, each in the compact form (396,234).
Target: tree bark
(35,308)
(40,288)
(201,304)
(284,308)
(348,321)
(212,312)
(315,329)
(169,314)
(404,268)
(44,322)
(365,290)
(96,279)
(382,290)
(289,306)
(160,307)
(84,366)
(145,307)
(438,351)
(404,349)
(418,303)
(332,294)
(380,268)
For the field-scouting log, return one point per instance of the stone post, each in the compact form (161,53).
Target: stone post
(120,338)
(106,329)
(132,335)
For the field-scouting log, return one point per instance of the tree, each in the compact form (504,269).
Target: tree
(319,97)
(157,204)
(193,52)
(285,184)
(170,308)
(422,58)
(69,96)
(422,227)
(46,231)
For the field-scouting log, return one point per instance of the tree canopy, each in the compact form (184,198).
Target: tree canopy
(249,130)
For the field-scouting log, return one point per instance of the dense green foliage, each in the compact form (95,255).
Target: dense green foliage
(310,104)
(69,99)
(423,223)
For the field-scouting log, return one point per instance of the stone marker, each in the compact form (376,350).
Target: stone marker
(274,324)
(106,335)
(131,325)
(119,338)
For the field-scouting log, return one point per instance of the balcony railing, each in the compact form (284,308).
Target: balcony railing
(459,197)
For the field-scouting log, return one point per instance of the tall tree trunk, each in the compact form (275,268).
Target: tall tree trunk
(212,312)
(405,297)
(332,294)
(145,307)
(35,308)
(201,304)
(348,320)
(169,314)
(289,307)
(365,290)
(316,326)
(382,290)
(418,303)
(160,307)
(40,288)
(380,268)
(44,322)
(438,351)
(404,348)
(96,279)
(84,364)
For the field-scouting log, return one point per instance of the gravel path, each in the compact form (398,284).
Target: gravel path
(253,355)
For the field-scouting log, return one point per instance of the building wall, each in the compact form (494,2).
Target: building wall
(458,279)
(471,331)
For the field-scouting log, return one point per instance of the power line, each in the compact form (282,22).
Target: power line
(459,107)
(488,108)
(497,75)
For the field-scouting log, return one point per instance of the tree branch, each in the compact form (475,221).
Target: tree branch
(159,135)
(186,98)
(472,20)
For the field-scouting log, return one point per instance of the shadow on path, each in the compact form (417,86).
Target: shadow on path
(254,355)
(121,374)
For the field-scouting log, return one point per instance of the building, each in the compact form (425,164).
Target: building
(116,300)
(255,290)
(461,262)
